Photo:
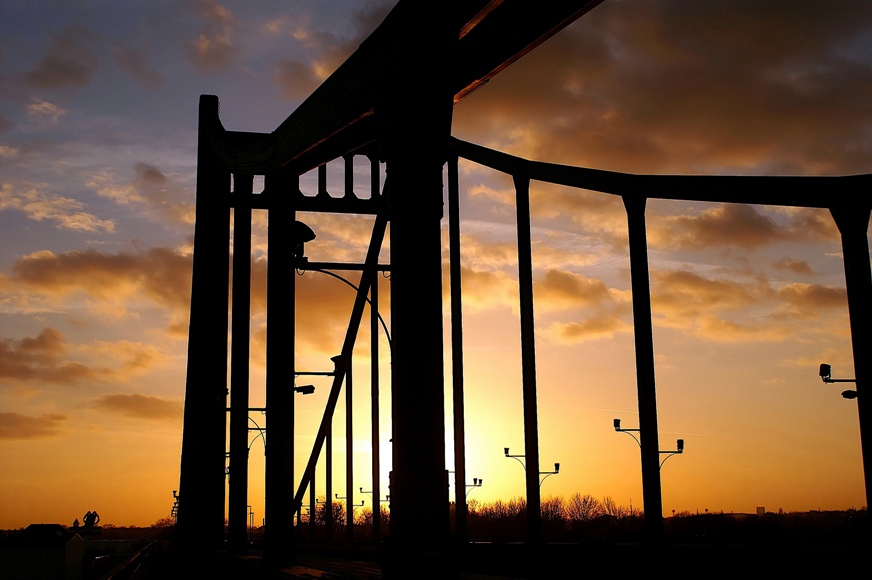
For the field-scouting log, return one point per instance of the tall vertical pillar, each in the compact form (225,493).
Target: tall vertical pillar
(528,360)
(237,508)
(201,478)
(280,330)
(645,385)
(853,224)
(460,509)
(414,125)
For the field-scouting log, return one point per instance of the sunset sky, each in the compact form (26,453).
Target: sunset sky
(98,133)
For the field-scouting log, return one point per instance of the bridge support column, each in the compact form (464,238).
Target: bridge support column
(414,117)
(279,486)
(201,477)
(645,384)
(853,224)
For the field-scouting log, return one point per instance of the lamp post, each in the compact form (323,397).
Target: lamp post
(476,482)
(376,513)
(349,514)
(826,374)
(679,443)
(547,474)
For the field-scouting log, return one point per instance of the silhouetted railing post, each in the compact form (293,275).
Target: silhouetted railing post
(853,224)
(201,478)
(460,511)
(237,511)
(645,385)
(280,340)
(528,359)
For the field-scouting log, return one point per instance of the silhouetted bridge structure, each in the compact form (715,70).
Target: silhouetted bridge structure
(391,102)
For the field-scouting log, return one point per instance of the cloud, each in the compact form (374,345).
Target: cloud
(40,360)
(595,327)
(18,426)
(149,187)
(134,62)
(683,87)
(212,50)
(795,266)
(136,406)
(296,80)
(67,65)
(726,225)
(560,289)
(808,299)
(685,295)
(159,275)
(65,212)
(43,112)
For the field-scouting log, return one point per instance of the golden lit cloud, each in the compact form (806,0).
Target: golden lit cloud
(595,327)
(18,426)
(685,294)
(561,289)
(800,267)
(149,187)
(213,49)
(159,275)
(136,406)
(40,360)
(65,212)
(43,112)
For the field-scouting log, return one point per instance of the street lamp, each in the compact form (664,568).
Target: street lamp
(826,374)
(476,482)
(679,443)
(547,474)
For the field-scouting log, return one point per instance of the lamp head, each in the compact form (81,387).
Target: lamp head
(305,389)
(617,424)
(680,444)
(556,468)
(826,372)
(507,451)
(301,234)
(849,394)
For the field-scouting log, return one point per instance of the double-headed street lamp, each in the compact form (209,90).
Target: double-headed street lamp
(826,373)
(679,443)
(547,474)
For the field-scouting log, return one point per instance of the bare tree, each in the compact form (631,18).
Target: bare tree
(583,508)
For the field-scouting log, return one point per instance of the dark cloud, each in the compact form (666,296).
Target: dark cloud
(40,359)
(149,187)
(676,86)
(685,294)
(138,406)
(18,426)
(726,225)
(69,64)
(135,63)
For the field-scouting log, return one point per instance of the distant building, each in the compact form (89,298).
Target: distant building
(761,511)
(42,552)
